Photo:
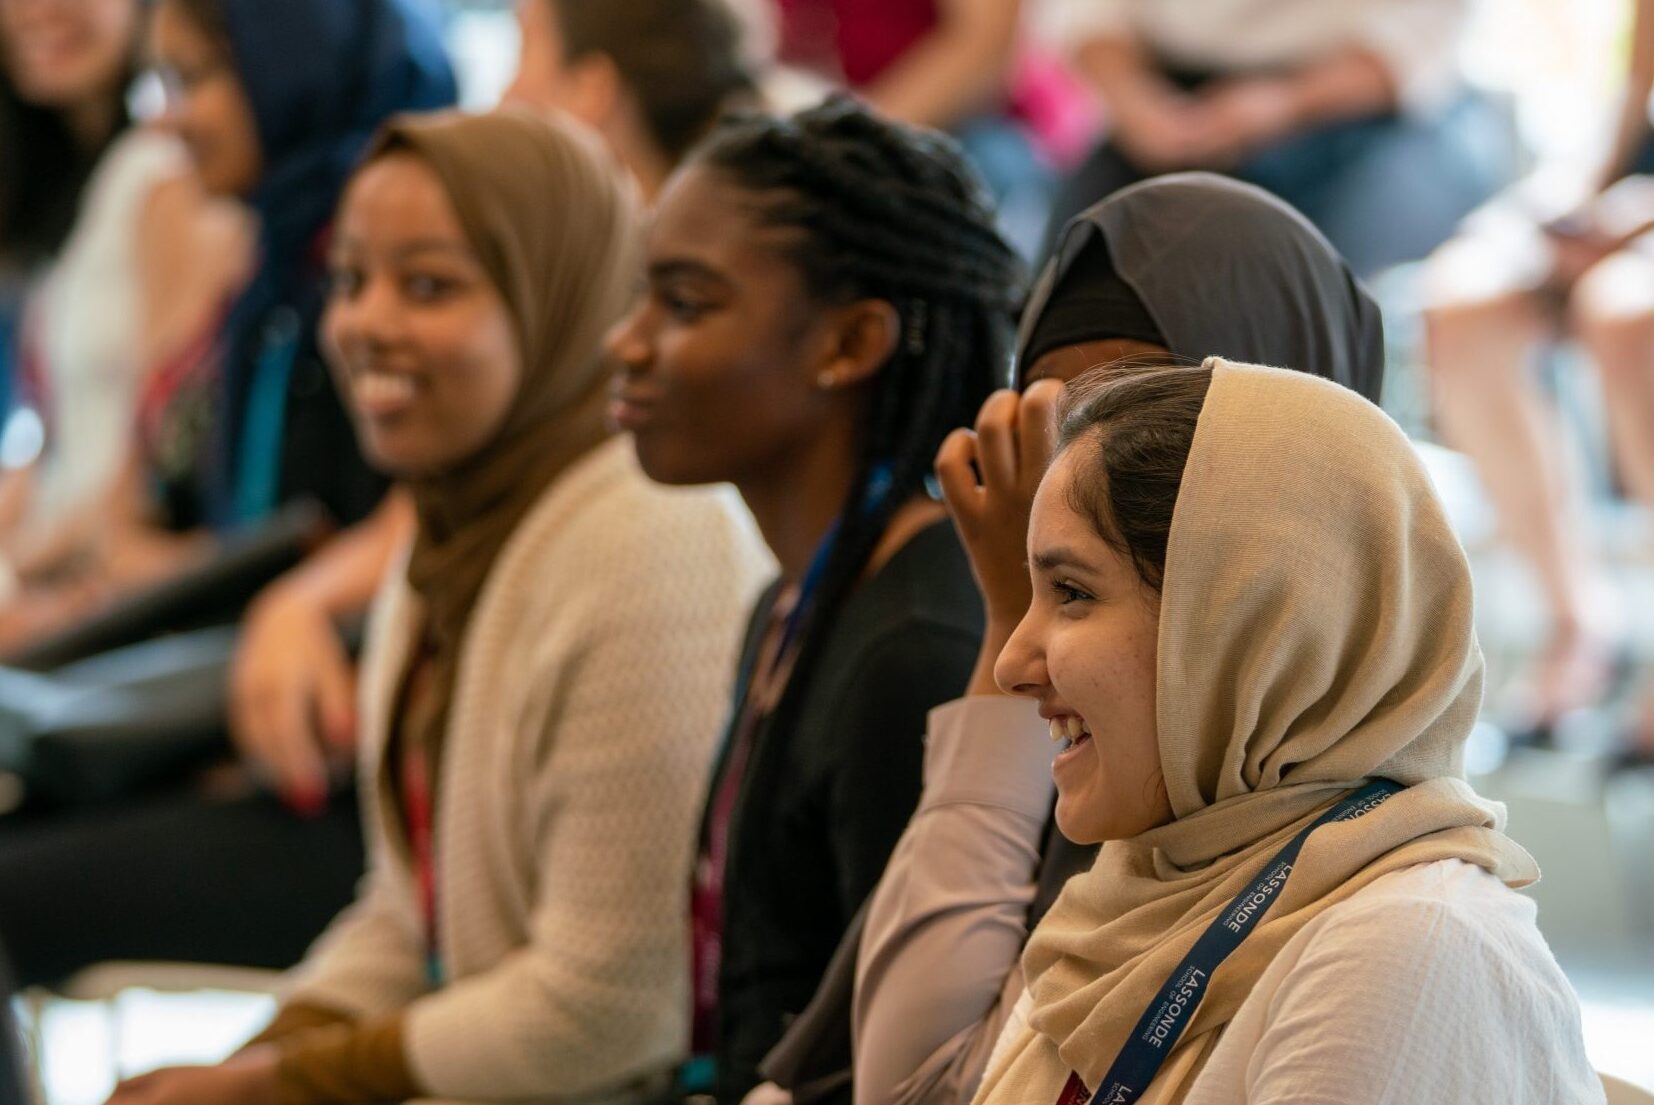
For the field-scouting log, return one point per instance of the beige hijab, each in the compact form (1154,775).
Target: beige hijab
(1315,632)
(553,222)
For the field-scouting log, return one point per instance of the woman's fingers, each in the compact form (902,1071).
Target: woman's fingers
(956,472)
(997,449)
(1037,431)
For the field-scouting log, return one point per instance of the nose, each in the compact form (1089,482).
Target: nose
(173,103)
(1020,668)
(627,342)
(368,317)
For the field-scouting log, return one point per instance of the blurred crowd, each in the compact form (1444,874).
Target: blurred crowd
(482,383)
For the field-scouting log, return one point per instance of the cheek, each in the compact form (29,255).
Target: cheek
(1104,670)
(475,374)
(727,406)
(114,36)
(1107,673)
(223,137)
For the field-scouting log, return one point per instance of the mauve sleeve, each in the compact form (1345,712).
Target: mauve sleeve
(939,968)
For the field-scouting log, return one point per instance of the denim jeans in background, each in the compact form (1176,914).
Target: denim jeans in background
(1022,183)
(1384,190)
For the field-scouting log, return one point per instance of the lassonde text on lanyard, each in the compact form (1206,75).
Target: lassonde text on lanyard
(1170,1010)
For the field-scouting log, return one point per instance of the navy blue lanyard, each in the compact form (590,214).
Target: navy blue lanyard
(878,488)
(1170,1011)
(807,588)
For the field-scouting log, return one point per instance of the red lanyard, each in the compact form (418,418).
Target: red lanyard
(417,814)
(706,895)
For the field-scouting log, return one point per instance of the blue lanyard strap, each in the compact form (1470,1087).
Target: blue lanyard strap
(257,471)
(1170,1011)
(878,488)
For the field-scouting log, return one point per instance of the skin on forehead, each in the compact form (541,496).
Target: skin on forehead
(1071,361)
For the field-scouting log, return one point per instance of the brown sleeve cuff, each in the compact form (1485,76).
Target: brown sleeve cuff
(345,1064)
(296,1018)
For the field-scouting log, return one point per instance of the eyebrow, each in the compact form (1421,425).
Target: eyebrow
(419,245)
(1049,560)
(675,267)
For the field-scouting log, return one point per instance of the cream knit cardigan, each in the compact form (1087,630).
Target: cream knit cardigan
(593,681)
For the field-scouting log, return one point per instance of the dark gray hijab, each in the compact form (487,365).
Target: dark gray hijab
(1222,268)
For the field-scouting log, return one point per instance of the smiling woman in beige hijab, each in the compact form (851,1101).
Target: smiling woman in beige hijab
(1248,604)
(544,673)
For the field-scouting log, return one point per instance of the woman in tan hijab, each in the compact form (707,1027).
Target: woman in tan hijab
(542,680)
(1252,635)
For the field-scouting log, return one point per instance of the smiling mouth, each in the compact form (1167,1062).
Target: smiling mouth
(379,393)
(628,413)
(1068,732)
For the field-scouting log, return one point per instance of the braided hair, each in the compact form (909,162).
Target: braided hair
(883,211)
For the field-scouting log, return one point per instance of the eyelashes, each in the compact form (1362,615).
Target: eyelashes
(1066,593)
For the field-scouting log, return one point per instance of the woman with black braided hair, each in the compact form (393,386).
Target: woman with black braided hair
(827,300)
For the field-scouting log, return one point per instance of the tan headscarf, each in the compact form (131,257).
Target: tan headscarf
(1315,632)
(553,222)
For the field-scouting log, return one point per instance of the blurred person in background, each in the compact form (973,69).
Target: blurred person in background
(275,104)
(535,743)
(123,263)
(1514,283)
(964,66)
(1354,112)
(650,76)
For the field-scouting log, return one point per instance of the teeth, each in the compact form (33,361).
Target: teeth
(381,387)
(1067,728)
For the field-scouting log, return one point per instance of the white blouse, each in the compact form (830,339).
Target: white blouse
(84,321)
(1418,40)
(1415,989)
(1429,984)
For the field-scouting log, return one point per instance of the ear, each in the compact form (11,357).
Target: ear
(595,88)
(861,338)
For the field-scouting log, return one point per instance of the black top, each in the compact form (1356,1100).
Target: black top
(825,801)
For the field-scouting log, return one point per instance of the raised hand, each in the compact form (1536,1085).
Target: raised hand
(988,477)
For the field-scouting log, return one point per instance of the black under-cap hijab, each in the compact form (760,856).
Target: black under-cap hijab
(1206,266)
(1091,301)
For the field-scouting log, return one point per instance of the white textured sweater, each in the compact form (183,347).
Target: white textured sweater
(593,681)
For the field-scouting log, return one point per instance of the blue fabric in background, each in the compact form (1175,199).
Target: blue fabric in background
(321,75)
